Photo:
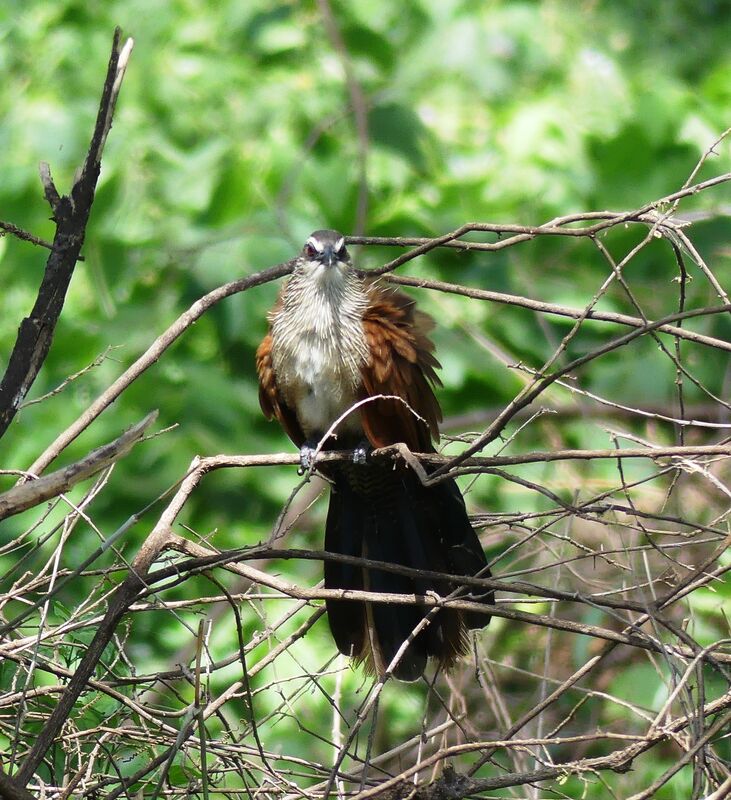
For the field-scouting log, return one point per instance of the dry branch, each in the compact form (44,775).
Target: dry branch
(118,605)
(39,490)
(617,761)
(646,215)
(19,233)
(543,380)
(10,791)
(554,308)
(71,215)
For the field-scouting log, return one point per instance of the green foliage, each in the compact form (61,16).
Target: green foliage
(233,139)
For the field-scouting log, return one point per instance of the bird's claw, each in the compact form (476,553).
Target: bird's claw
(361,452)
(307,457)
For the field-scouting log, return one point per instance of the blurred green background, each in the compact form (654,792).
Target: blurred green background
(234,138)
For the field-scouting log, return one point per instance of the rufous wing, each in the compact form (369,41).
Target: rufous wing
(401,363)
(270,399)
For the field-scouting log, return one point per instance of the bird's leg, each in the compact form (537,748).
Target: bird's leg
(307,454)
(361,452)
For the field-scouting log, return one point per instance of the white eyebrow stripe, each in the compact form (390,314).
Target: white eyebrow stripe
(316,243)
(340,243)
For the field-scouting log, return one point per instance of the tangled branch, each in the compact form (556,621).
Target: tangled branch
(596,572)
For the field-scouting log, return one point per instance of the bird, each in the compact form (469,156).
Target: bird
(342,345)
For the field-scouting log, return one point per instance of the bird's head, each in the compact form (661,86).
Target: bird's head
(326,249)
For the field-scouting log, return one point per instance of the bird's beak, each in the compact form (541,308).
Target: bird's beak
(329,259)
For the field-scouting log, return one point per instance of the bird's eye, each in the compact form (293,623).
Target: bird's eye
(310,250)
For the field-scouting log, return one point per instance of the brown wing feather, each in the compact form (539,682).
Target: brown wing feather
(270,400)
(402,364)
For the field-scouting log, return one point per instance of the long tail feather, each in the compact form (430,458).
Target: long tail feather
(389,516)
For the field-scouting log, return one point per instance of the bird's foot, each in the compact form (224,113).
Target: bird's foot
(307,456)
(361,452)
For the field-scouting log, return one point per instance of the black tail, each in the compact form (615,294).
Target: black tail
(386,515)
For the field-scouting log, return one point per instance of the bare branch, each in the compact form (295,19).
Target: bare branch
(38,490)
(524,233)
(71,215)
(19,233)
(118,604)
(618,761)
(10,791)
(531,392)
(554,308)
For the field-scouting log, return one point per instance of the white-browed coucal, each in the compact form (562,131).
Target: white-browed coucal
(337,337)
